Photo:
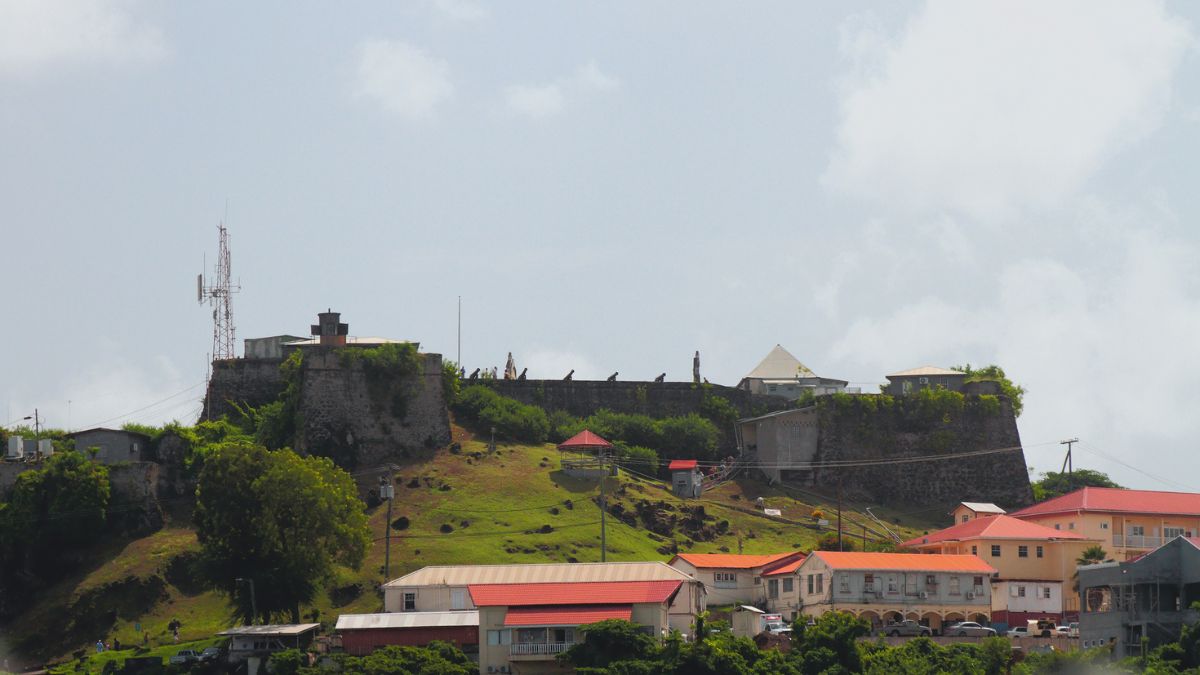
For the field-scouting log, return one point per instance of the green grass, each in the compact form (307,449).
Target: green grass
(94,663)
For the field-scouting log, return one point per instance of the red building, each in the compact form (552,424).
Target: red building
(364,633)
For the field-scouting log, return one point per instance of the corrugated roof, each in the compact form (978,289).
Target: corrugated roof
(408,620)
(926,370)
(779,364)
(585,439)
(992,527)
(462,575)
(681,465)
(982,507)
(916,562)
(585,593)
(566,615)
(268,630)
(785,568)
(1116,500)
(733,561)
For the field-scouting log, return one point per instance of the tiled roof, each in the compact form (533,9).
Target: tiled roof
(565,615)
(732,561)
(916,562)
(607,593)
(1117,500)
(532,573)
(681,464)
(926,370)
(585,439)
(785,568)
(992,527)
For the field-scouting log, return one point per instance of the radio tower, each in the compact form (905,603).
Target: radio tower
(218,293)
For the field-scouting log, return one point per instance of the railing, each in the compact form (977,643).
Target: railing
(1137,541)
(538,648)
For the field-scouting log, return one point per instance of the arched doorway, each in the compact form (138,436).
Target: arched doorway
(873,617)
(981,619)
(892,617)
(933,620)
(953,617)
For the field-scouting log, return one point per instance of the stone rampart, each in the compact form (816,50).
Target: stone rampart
(656,399)
(133,496)
(254,382)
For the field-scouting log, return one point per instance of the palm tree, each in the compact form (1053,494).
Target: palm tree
(1092,555)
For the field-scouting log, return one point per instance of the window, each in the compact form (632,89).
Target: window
(531,635)
(954,586)
(772,588)
(725,579)
(458,598)
(1022,551)
(974,550)
(820,583)
(1058,526)
(1137,531)
(758,581)
(410,601)
(995,550)
(843,583)
(561,636)
(1172,532)
(978,584)
(1071,526)
(930,580)
(1040,551)
(869,583)
(910,584)
(789,584)
(1046,592)
(965,517)
(1020,591)
(1104,526)
(499,637)
(810,584)
(892,586)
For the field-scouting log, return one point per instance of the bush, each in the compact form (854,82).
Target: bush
(513,420)
(637,458)
(688,437)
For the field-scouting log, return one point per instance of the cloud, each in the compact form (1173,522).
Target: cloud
(554,364)
(36,35)
(983,108)
(547,100)
(461,10)
(402,78)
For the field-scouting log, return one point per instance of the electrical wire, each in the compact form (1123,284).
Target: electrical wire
(1088,447)
(145,407)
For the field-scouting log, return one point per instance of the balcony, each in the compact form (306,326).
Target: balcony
(1137,541)
(538,650)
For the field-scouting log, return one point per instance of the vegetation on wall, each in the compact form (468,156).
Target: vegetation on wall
(688,436)
(389,369)
(511,419)
(993,373)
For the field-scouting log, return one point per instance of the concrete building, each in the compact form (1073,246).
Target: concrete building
(112,445)
(735,579)
(362,634)
(784,442)
(1149,597)
(255,644)
(1127,522)
(686,478)
(970,510)
(884,587)
(268,347)
(781,374)
(925,377)
(1034,565)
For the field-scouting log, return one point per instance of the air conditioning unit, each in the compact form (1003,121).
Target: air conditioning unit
(924,595)
(879,594)
(923,380)
(970,595)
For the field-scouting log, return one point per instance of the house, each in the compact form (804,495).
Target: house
(970,510)
(1035,564)
(1149,598)
(784,443)
(925,377)
(268,347)
(884,587)
(1127,522)
(112,445)
(781,374)
(254,644)
(364,633)
(737,579)
(686,479)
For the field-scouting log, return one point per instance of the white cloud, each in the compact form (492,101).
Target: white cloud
(546,100)
(984,108)
(554,364)
(36,35)
(402,78)
(461,10)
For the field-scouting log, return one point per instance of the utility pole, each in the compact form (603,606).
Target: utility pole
(603,508)
(864,536)
(387,490)
(459,331)
(839,512)
(1068,462)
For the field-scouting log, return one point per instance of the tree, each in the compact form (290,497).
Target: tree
(993,373)
(279,519)
(605,642)
(1054,484)
(829,542)
(830,644)
(1092,555)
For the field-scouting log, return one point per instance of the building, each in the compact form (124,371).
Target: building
(736,579)
(364,633)
(925,377)
(1148,597)
(781,374)
(784,443)
(970,510)
(884,587)
(255,644)
(1128,523)
(268,347)
(1034,564)
(686,478)
(112,445)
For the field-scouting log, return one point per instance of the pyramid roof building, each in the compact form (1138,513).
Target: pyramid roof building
(779,364)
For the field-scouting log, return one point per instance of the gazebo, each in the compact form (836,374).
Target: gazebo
(586,455)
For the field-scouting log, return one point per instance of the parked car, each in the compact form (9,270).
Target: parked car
(969,628)
(184,657)
(1018,632)
(210,655)
(1042,627)
(778,628)
(908,627)
(1073,629)
(1062,631)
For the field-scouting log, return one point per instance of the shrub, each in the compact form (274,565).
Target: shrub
(513,420)
(690,437)
(637,458)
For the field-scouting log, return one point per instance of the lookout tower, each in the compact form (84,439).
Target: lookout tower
(329,330)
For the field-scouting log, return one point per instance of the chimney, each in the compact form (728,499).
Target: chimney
(331,332)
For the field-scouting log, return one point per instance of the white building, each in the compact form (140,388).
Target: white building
(781,374)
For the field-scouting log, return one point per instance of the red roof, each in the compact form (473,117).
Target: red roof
(1117,500)
(584,439)
(733,561)
(681,465)
(992,527)
(581,593)
(565,615)
(916,562)
(785,568)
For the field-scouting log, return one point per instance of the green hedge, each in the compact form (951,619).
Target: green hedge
(513,420)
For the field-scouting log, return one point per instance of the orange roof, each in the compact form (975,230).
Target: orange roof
(1117,500)
(992,527)
(583,593)
(565,615)
(681,464)
(733,561)
(584,439)
(915,562)
(785,568)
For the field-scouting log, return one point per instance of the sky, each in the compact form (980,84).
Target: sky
(610,187)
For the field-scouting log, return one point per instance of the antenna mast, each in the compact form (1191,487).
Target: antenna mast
(218,294)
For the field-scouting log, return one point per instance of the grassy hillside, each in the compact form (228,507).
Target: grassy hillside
(467,506)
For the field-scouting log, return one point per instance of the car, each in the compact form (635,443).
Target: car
(908,627)
(1062,631)
(1042,627)
(969,628)
(184,657)
(210,655)
(1073,629)
(1018,632)
(779,628)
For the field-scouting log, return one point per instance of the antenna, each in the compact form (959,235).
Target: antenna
(218,294)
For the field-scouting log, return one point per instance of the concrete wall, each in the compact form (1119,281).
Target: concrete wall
(243,381)
(789,437)
(132,485)
(112,445)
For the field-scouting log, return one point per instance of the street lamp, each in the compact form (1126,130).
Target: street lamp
(253,600)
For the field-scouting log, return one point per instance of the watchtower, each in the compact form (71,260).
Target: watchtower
(331,332)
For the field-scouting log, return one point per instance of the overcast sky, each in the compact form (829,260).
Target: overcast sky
(612,186)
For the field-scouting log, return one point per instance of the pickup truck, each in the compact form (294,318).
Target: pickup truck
(907,627)
(184,657)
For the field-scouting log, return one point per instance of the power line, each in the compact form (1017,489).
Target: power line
(145,407)
(1088,447)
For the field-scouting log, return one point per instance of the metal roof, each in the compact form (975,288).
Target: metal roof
(926,370)
(982,507)
(271,630)
(681,465)
(584,439)
(735,561)
(779,364)
(908,562)
(408,620)
(532,573)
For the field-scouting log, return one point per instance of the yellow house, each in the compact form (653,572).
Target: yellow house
(1035,564)
(971,510)
(1127,523)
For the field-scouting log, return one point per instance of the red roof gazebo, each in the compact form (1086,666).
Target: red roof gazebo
(591,454)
